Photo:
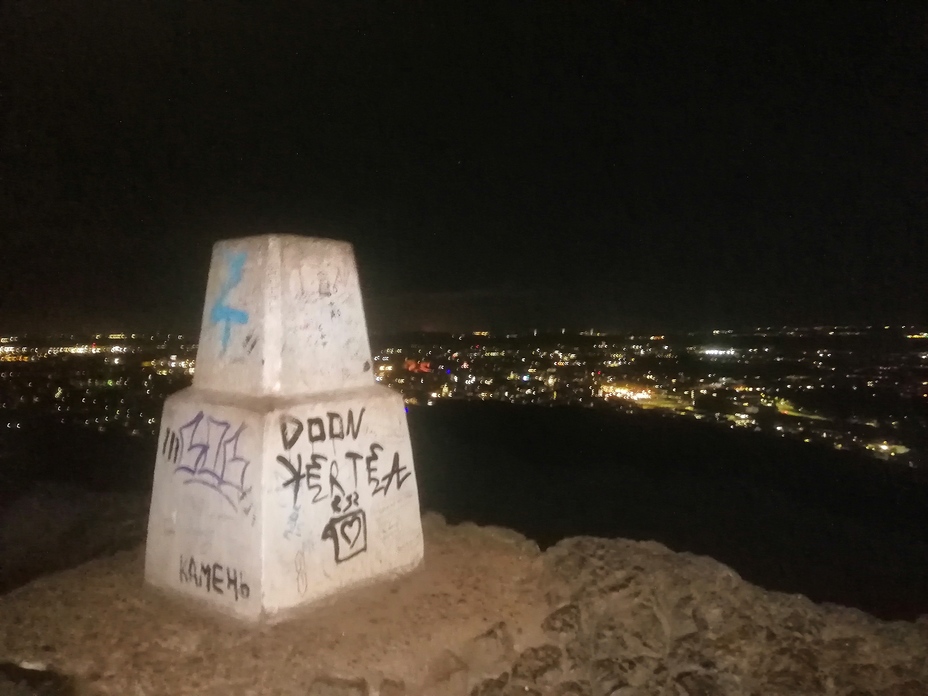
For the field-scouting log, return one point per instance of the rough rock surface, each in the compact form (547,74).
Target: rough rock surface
(487,615)
(637,618)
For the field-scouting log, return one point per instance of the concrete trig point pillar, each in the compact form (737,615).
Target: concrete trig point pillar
(285,473)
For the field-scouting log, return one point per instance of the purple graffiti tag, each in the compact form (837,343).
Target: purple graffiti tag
(212,458)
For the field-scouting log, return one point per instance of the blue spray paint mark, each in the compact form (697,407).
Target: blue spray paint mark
(221,312)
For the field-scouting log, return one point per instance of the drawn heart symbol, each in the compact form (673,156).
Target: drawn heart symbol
(351,530)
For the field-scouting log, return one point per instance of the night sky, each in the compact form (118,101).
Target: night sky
(616,165)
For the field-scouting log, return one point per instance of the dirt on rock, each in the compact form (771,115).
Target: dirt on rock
(101,625)
(486,614)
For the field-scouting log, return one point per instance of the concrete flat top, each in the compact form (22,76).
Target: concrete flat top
(100,624)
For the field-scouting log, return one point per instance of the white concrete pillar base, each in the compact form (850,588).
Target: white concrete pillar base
(261,506)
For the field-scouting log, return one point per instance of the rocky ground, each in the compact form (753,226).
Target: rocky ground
(488,614)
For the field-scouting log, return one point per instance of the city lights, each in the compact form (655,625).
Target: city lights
(108,381)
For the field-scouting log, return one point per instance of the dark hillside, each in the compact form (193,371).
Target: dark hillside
(45,450)
(787,516)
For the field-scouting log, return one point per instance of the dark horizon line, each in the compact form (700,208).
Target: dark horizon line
(512,331)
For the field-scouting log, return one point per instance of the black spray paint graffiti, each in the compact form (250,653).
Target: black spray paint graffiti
(250,342)
(310,472)
(348,533)
(310,475)
(347,528)
(214,578)
(381,484)
(291,428)
(171,447)
(212,459)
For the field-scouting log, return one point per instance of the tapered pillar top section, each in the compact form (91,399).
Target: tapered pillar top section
(283,316)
